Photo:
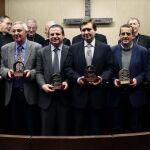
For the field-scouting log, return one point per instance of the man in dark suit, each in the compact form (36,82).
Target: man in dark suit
(127,99)
(32,35)
(47,26)
(53,102)
(88,98)
(20,93)
(99,37)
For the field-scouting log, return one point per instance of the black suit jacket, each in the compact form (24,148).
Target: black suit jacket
(37,38)
(99,37)
(143,40)
(74,68)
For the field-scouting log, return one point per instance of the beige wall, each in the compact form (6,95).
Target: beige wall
(44,10)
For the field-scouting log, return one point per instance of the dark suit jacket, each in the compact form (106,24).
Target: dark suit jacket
(44,73)
(99,37)
(74,67)
(65,41)
(8,59)
(143,40)
(37,38)
(5,38)
(137,70)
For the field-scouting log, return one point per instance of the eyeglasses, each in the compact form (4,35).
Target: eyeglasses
(125,33)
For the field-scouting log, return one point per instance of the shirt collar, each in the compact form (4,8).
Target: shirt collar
(127,49)
(23,45)
(53,47)
(92,43)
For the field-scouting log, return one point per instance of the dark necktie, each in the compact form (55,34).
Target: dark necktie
(89,55)
(56,61)
(19,53)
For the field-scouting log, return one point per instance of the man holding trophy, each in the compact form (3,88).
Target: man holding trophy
(88,66)
(18,63)
(128,96)
(53,98)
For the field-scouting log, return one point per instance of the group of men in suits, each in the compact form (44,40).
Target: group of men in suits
(86,100)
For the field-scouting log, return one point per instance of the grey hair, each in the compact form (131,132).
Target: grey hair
(32,20)
(23,24)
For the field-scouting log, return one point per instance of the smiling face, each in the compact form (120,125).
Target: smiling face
(56,36)
(135,25)
(88,32)
(126,36)
(19,33)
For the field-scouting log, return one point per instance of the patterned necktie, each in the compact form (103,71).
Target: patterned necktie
(56,61)
(19,53)
(89,55)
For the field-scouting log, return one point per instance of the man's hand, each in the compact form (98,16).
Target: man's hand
(80,80)
(98,81)
(10,74)
(48,88)
(117,83)
(65,85)
(27,73)
(133,82)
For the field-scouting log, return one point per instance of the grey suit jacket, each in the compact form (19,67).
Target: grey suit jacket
(45,71)
(7,61)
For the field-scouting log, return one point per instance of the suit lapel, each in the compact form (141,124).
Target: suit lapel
(95,54)
(47,54)
(28,52)
(133,56)
(64,53)
(11,55)
(119,56)
(82,54)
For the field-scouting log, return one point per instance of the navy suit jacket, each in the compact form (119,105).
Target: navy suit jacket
(74,67)
(137,70)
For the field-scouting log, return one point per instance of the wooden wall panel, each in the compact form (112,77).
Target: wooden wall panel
(2,7)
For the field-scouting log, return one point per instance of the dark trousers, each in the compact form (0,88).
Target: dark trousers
(126,118)
(3,125)
(55,118)
(20,118)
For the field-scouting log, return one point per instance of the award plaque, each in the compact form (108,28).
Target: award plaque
(57,82)
(124,76)
(18,68)
(90,74)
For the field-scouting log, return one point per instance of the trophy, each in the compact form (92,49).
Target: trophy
(57,82)
(90,74)
(18,68)
(124,77)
